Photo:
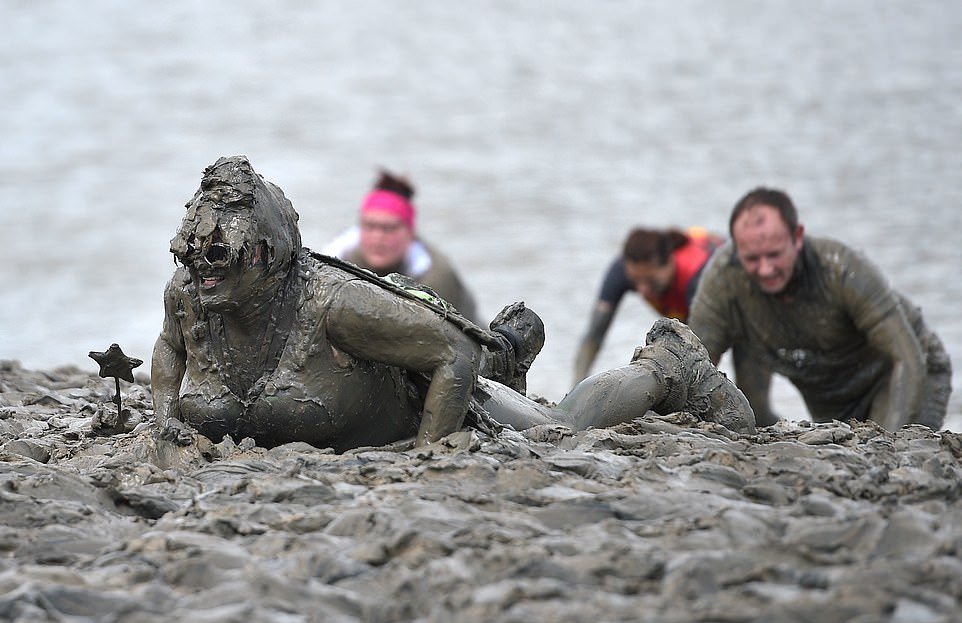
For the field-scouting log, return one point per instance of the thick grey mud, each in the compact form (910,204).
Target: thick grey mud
(665,518)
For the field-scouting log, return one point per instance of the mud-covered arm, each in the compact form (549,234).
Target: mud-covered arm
(894,337)
(876,310)
(755,382)
(168,362)
(598,325)
(714,318)
(614,286)
(373,324)
(711,310)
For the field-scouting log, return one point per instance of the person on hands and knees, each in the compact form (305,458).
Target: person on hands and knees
(661,266)
(820,314)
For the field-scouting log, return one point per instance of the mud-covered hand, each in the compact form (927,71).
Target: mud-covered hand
(167,369)
(175,431)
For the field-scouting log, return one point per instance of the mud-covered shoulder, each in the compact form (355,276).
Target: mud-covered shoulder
(836,259)
(178,307)
(722,274)
(714,306)
(178,284)
(320,280)
(854,281)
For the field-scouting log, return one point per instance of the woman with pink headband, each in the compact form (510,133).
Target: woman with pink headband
(384,242)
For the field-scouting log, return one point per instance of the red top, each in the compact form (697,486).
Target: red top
(689,260)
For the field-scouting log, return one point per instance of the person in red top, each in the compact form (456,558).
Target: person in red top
(662,266)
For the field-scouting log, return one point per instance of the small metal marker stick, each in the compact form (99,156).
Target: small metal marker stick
(113,362)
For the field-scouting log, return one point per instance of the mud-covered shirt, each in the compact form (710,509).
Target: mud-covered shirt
(316,393)
(813,333)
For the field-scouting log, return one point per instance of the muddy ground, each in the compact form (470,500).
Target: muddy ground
(665,519)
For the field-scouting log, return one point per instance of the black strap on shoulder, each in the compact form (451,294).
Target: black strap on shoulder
(412,290)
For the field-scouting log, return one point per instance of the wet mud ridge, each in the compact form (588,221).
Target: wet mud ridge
(663,519)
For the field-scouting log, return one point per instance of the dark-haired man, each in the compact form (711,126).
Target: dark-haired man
(820,314)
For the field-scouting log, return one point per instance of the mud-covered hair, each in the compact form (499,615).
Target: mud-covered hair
(652,246)
(396,184)
(773,197)
(232,193)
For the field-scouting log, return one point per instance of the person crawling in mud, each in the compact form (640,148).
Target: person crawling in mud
(265,339)
(822,315)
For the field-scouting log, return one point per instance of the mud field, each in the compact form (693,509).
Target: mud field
(665,519)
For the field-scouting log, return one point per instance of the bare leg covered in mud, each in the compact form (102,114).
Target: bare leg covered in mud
(672,372)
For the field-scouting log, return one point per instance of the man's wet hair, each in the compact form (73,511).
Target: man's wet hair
(652,246)
(773,197)
(396,184)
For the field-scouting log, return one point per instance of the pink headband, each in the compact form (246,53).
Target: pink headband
(392,203)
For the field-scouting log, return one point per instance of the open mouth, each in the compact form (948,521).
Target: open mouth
(210,281)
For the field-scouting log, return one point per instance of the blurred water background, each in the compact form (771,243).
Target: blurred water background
(537,134)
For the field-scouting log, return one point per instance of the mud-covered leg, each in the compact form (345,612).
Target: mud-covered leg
(605,399)
(693,383)
(509,408)
(613,397)
(672,372)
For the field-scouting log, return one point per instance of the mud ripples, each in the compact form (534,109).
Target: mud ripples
(664,519)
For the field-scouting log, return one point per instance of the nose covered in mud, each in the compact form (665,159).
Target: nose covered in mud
(212,245)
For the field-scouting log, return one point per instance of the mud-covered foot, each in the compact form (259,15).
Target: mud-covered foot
(525,332)
(694,383)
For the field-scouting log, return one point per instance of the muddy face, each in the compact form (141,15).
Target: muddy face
(238,238)
(650,279)
(766,247)
(225,273)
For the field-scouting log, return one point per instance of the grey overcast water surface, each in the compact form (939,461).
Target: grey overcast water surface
(537,135)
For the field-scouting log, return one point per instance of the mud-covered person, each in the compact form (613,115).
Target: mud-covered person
(263,338)
(822,315)
(662,266)
(384,241)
